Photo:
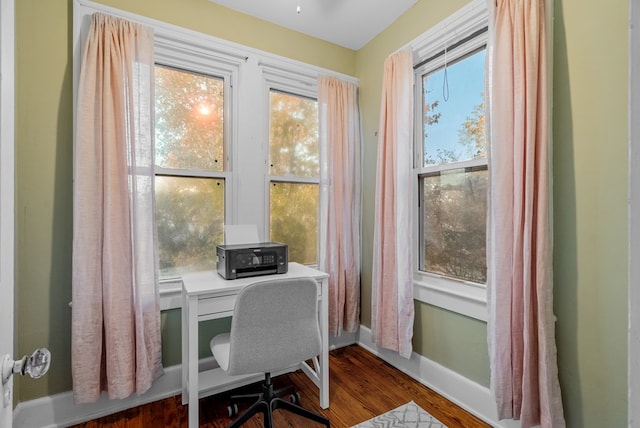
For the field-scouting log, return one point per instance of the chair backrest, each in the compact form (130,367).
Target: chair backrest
(274,325)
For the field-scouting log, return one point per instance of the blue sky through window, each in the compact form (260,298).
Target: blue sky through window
(465,91)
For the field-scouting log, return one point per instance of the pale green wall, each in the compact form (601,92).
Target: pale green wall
(590,168)
(44,155)
(590,211)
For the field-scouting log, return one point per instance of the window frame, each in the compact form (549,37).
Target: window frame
(463,297)
(226,75)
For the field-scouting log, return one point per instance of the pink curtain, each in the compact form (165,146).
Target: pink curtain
(340,200)
(392,297)
(115,314)
(521,330)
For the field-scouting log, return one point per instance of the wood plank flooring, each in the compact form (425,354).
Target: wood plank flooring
(361,387)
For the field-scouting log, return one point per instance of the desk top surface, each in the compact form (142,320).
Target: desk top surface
(209,282)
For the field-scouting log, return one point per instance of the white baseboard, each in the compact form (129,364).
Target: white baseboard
(469,395)
(345,339)
(59,410)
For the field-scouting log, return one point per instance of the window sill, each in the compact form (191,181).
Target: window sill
(170,294)
(456,296)
(463,298)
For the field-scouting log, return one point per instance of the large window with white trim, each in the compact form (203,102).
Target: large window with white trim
(450,163)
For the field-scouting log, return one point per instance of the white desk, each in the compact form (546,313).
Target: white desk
(206,295)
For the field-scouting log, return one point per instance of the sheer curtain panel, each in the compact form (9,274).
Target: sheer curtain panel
(115,315)
(340,200)
(521,329)
(392,296)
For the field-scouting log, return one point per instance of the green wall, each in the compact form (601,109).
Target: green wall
(590,185)
(590,208)
(590,169)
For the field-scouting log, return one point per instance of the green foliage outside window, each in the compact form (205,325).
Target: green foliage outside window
(189,120)
(190,150)
(294,219)
(189,130)
(455,207)
(293,155)
(190,221)
(454,198)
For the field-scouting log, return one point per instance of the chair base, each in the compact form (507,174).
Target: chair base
(270,400)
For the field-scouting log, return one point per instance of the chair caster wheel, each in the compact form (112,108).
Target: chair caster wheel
(232,410)
(294,398)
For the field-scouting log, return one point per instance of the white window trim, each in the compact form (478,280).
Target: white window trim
(176,46)
(463,297)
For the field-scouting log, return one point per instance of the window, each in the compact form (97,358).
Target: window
(450,163)
(452,173)
(294,172)
(190,165)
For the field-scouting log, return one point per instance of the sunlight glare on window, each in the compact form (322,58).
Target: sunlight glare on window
(204,110)
(190,182)
(189,120)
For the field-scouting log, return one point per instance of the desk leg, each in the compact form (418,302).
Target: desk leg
(192,361)
(324,356)
(185,348)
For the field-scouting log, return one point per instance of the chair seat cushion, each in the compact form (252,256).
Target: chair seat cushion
(220,349)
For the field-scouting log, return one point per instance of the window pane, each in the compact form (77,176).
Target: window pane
(189,120)
(453,112)
(454,208)
(294,219)
(190,219)
(293,135)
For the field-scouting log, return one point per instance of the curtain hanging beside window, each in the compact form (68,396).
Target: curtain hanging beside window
(115,314)
(521,329)
(392,296)
(340,185)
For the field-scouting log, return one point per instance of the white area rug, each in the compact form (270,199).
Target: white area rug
(408,416)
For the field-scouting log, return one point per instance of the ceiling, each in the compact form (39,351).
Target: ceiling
(348,23)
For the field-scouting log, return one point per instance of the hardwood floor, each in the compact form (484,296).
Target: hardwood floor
(361,387)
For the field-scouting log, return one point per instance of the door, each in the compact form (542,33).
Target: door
(6,202)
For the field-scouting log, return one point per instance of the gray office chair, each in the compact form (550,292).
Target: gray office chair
(274,326)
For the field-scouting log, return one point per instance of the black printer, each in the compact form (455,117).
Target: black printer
(244,260)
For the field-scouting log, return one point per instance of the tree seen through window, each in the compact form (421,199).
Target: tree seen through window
(294,170)
(454,185)
(189,131)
